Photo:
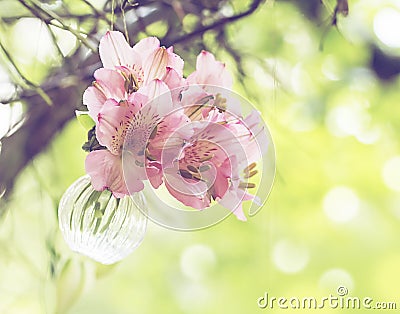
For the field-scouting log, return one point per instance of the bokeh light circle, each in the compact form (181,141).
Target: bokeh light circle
(387,25)
(341,204)
(391,173)
(290,257)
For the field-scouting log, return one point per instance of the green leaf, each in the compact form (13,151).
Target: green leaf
(92,143)
(84,119)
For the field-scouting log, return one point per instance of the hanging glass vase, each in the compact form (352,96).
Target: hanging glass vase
(100,226)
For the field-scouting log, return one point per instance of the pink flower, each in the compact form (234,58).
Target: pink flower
(128,69)
(141,63)
(207,167)
(125,129)
(105,167)
(201,166)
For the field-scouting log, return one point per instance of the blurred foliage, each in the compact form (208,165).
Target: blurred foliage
(332,218)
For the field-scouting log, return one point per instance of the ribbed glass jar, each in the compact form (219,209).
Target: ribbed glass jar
(100,226)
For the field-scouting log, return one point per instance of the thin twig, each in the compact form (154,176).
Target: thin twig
(24,79)
(95,11)
(218,24)
(124,21)
(54,16)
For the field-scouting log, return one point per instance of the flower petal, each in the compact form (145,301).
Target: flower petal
(233,201)
(94,99)
(137,101)
(175,61)
(188,197)
(176,83)
(159,96)
(113,121)
(221,183)
(210,72)
(133,174)
(155,65)
(105,171)
(145,47)
(154,174)
(115,51)
(111,83)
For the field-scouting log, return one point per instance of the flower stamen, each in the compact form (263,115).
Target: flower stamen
(249,167)
(207,158)
(192,169)
(250,174)
(220,103)
(246,185)
(204,168)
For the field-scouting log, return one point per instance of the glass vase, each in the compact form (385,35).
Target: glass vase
(99,225)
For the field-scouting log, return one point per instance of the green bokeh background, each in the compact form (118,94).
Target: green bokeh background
(335,127)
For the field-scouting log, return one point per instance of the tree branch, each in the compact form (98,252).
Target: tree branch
(215,26)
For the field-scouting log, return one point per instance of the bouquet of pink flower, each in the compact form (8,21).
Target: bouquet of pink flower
(153,124)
